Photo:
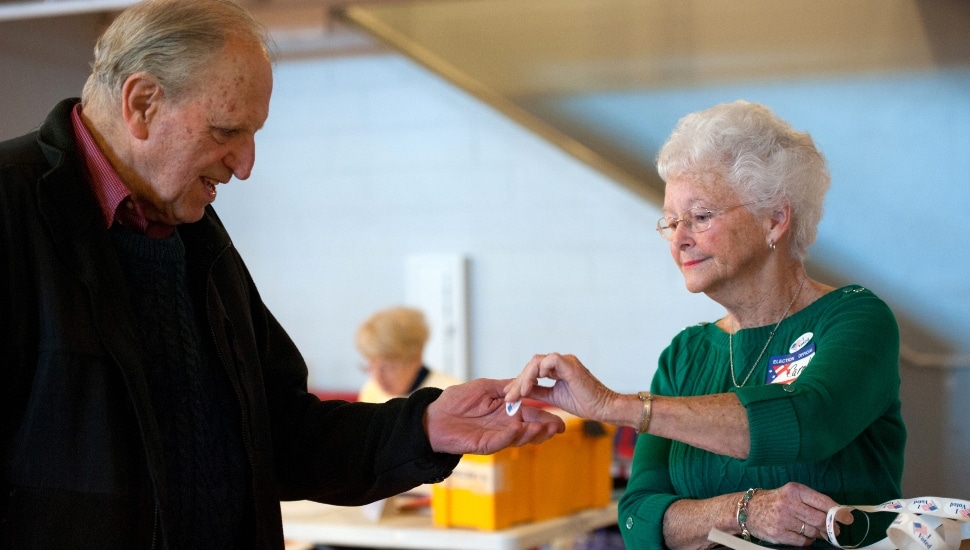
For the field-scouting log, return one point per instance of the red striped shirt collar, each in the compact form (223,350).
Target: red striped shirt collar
(113,195)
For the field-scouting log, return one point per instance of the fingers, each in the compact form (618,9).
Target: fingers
(817,529)
(521,386)
(539,426)
(526,384)
(540,366)
(813,498)
(554,421)
(809,532)
(844,517)
(548,364)
(793,514)
(534,426)
(815,513)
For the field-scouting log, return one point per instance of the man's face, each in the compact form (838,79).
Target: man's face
(204,138)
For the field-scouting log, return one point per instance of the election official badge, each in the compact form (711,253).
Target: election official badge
(784,369)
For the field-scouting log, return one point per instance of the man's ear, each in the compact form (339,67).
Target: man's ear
(140,98)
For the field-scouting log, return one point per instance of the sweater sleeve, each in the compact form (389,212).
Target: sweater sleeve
(649,491)
(354,453)
(852,381)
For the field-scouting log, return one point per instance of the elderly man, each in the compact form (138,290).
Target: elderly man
(150,400)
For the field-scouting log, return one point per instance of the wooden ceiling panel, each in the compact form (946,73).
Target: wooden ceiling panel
(560,46)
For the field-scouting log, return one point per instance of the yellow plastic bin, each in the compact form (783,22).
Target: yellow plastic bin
(564,475)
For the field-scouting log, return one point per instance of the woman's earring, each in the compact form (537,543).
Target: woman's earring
(771,244)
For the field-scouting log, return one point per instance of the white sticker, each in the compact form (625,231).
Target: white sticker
(800,342)
(512,408)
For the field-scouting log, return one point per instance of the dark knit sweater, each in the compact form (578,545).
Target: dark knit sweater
(200,432)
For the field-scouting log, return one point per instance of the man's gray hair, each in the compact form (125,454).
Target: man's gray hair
(172,40)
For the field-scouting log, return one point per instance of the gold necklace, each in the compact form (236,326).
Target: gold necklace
(734,377)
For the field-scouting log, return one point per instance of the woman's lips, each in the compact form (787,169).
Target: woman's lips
(692,263)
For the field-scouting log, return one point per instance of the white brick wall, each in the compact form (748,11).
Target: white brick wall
(366,161)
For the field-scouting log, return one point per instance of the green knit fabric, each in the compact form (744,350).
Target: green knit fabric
(837,428)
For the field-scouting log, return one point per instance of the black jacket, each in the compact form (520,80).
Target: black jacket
(80,456)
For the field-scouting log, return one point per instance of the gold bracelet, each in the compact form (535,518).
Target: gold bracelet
(647,399)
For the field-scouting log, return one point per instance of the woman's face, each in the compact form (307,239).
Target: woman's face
(394,376)
(731,249)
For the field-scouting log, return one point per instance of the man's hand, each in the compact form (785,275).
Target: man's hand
(470,418)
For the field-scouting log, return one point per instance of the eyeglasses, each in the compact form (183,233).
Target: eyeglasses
(378,364)
(696,220)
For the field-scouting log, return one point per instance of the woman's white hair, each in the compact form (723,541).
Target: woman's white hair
(172,40)
(757,153)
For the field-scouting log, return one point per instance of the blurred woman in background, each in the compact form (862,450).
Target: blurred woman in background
(392,342)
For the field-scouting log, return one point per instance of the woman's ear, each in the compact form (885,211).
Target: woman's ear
(778,222)
(140,98)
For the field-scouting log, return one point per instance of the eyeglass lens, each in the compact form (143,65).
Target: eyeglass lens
(696,219)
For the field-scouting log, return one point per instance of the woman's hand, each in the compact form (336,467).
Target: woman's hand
(716,423)
(792,514)
(575,389)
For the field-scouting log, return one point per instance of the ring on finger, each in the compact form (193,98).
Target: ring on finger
(802,530)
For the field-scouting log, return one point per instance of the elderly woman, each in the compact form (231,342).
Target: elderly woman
(392,340)
(757,423)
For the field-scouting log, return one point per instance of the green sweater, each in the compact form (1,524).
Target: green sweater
(836,428)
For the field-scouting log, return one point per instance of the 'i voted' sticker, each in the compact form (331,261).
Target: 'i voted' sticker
(511,408)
